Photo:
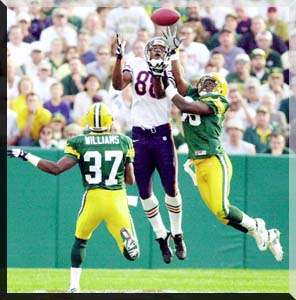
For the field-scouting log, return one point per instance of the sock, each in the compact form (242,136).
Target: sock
(174,206)
(248,222)
(151,208)
(235,217)
(75,278)
(78,252)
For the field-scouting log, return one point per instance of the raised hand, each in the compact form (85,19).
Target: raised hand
(120,47)
(171,39)
(17,153)
(157,66)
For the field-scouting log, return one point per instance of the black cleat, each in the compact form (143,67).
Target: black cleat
(180,247)
(165,248)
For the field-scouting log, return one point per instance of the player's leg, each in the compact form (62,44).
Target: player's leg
(89,217)
(167,166)
(120,224)
(144,167)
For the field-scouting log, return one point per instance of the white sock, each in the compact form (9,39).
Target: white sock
(248,222)
(174,206)
(151,208)
(75,278)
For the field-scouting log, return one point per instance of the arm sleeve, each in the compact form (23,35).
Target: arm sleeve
(71,149)
(219,105)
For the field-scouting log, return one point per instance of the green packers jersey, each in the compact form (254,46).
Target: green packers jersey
(102,158)
(202,133)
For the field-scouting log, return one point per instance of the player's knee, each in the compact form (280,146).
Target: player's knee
(174,204)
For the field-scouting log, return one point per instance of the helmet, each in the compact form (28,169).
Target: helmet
(98,117)
(219,81)
(158,40)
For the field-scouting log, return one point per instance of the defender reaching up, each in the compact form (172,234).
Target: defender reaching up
(105,162)
(152,138)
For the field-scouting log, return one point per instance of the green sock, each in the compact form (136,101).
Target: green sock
(78,252)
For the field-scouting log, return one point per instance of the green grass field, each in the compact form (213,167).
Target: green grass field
(185,280)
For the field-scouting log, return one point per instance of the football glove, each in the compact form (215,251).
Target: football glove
(120,47)
(18,153)
(171,39)
(157,66)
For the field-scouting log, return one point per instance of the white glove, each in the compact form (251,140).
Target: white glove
(120,47)
(157,66)
(171,39)
(17,153)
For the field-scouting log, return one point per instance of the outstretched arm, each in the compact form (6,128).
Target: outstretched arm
(47,166)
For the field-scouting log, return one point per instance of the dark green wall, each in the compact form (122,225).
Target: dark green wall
(42,211)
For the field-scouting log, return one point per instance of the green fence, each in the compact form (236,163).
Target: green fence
(42,211)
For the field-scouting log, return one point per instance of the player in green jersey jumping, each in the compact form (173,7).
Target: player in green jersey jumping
(105,162)
(203,108)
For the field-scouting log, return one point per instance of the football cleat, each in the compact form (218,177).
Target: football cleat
(165,249)
(180,247)
(260,234)
(74,290)
(274,244)
(131,249)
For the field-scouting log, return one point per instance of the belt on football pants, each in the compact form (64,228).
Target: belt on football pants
(154,131)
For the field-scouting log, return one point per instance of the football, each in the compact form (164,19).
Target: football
(165,17)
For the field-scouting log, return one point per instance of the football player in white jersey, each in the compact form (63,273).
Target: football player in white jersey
(152,138)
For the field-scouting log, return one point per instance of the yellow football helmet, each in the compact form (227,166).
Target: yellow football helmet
(98,117)
(219,87)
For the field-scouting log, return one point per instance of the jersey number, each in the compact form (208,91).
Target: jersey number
(142,84)
(96,167)
(194,120)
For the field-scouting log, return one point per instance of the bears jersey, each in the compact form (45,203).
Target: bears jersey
(202,133)
(102,158)
(147,111)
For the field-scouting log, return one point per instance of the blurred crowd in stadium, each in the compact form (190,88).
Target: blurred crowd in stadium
(60,59)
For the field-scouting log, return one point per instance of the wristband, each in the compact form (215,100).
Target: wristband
(174,54)
(33,159)
(171,92)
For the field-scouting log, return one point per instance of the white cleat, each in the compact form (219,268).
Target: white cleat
(130,245)
(274,244)
(74,290)
(260,234)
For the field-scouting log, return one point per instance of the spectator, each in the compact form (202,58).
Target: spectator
(56,55)
(13,131)
(248,42)
(277,118)
(239,109)
(244,21)
(56,105)
(228,49)
(252,93)
(69,131)
(103,12)
(264,41)
(198,53)
(73,18)
(259,134)
(57,125)
(258,65)
(25,87)
(234,143)
(143,35)
(288,105)
(64,69)
(93,26)
(126,20)
(242,71)
(102,67)
(217,61)
(86,56)
(12,80)
(277,145)
(276,85)
(275,25)
(59,29)
(43,81)
(24,21)
(31,119)
(138,49)
(45,140)
(39,21)
(190,72)
(73,83)
(31,67)
(11,18)
(19,50)
(84,99)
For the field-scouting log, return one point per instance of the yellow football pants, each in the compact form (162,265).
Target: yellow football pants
(104,205)
(213,176)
